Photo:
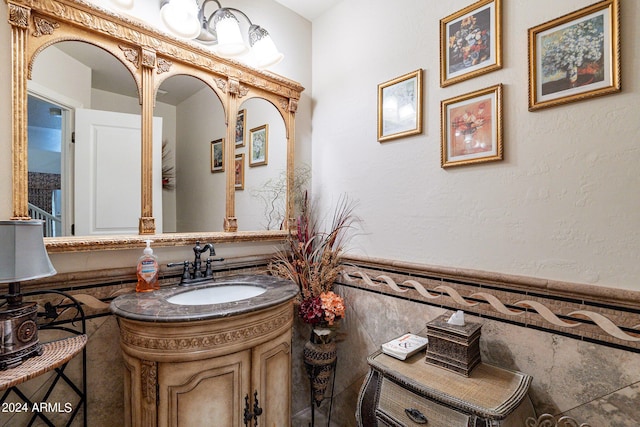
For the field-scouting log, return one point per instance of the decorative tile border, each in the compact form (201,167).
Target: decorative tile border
(582,314)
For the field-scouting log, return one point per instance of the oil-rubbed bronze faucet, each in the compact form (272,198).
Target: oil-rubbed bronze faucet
(192,271)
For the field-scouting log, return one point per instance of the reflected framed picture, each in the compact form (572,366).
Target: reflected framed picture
(217,155)
(472,128)
(259,145)
(575,56)
(471,42)
(239,183)
(240,127)
(400,106)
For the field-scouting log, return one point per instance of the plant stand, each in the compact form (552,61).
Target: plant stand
(55,356)
(312,373)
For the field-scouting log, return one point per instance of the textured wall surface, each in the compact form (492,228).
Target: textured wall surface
(561,205)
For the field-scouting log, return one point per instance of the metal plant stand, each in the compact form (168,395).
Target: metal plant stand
(67,316)
(312,372)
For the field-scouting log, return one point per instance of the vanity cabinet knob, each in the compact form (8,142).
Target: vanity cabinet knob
(416,416)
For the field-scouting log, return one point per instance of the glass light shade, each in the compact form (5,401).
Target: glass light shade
(227,29)
(123,4)
(265,52)
(22,252)
(181,17)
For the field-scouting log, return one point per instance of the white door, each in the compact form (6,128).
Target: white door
(108,175)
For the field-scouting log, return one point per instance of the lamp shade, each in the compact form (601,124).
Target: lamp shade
(123,4)
(181,17)
(265,52)
(22,252)
(227,30)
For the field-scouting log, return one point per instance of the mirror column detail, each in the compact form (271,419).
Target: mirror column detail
(291,142)
(233,93)
(147,221)
(19,20)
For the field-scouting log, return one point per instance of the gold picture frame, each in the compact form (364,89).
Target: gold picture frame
(217,155)
(241,125)
(259,145)
(471,42)
(400,106)
(575,56)
(239,168)
(472,128)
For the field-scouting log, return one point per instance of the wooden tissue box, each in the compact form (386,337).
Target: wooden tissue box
(453,347)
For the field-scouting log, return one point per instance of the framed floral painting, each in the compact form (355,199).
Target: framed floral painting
(240,127)
(575,56)
(472,127)
(400,106)
(470,42)
(217,155)
(259,145)
(239,168)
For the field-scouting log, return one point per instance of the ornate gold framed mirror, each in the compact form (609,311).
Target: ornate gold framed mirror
(152,59)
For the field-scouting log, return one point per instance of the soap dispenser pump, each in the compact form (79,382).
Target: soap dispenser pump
(147,270)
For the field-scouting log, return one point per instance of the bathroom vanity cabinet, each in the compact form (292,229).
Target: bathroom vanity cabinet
(209,372)
(223,364)
(413,393)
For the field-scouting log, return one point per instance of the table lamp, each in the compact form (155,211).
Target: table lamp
(22,257)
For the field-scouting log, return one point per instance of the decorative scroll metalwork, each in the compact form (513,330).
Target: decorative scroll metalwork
(441,291)
(548,420)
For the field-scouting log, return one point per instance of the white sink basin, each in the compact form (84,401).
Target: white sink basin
(217,294)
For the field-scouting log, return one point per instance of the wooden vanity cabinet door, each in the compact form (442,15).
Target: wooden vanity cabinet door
(271,378)
(204,392)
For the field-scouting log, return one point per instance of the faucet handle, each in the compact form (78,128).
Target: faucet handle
(185,268)
(208,272)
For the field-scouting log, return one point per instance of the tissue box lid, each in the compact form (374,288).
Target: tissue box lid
(468,332)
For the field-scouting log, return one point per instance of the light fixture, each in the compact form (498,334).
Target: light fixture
(123,4)
(22,257)
(221,29)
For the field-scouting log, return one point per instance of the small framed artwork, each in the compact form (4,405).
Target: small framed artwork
(472,127)
(240,127)
(575,56)
(217,155)
(400,106)
(471,42)
(239,185)
(259,145)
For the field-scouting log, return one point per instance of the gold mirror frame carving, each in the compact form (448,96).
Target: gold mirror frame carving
(151,57)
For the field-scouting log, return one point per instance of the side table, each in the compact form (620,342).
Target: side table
(414,393)
(55,357)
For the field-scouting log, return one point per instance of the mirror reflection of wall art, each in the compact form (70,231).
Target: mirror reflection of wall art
(470,42)
(259,145)
(217,155)
(239,172)
(240,127)
(575,56)
(472,127)
(400,106)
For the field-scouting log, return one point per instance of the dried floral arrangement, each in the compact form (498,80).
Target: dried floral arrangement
(312,259)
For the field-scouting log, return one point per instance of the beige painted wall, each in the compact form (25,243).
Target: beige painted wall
(563,204)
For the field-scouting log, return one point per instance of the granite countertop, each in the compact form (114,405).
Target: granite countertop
(154,307)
